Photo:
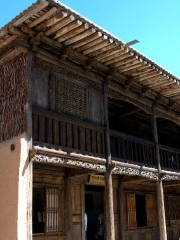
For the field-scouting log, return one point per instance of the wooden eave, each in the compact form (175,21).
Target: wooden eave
(68,33)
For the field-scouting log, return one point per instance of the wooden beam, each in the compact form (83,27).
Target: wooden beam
(80,36)
(128,83)
(144,91)
(7,41)
(98,46)
(66,29)
(45,16)
(74,32)
(133,179)
(52,21)
(18,33)
(34,10)
(109,53)
(66,52)
(35,41)
(111,73)
(65,20)
(79,173)
(92,43)
(104,49)
(86,40)
(171,184)
(90,62)
(117,55)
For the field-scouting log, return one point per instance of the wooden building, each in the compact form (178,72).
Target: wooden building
(85,120)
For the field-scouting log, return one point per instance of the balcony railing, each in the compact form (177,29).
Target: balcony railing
(131,149)
(60,131)
(68,133)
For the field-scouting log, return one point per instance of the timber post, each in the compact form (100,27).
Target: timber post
(160,193)
(109,221)
(122,214)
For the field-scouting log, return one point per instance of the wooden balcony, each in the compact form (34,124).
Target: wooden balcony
(60,131)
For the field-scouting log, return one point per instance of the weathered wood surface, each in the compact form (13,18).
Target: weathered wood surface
(67,27)
(160,192)
(71,133)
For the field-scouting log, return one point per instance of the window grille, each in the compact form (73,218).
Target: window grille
(70,98)
(52,210)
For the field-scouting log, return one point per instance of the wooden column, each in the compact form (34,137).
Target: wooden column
(30,76)
(160,194)
(122,221)
(109,221)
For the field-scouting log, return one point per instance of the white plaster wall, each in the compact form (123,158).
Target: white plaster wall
(15,190)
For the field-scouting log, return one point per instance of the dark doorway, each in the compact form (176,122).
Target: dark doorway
(93,199)
(141,216)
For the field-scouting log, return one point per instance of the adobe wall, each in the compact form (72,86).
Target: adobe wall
(15,181)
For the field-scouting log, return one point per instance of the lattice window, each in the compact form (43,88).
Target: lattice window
(48,211)
(52,210)
(70,98)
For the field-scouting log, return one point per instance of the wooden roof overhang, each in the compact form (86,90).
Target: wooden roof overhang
(57,33)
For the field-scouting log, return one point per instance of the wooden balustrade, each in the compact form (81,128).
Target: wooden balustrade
(64,132)
(71,134)
(170,157)
(132,149)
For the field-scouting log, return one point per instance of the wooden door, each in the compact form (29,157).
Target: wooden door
(77,203)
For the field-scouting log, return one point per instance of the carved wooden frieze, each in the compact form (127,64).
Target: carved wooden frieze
(123,170)
(69,162)
(13,97)
(134,171)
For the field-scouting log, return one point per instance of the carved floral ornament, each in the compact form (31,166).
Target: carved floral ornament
(43,158)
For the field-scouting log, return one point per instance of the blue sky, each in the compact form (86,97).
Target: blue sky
(155,23)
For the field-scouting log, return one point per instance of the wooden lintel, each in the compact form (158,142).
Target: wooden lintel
(135,179)
(79,173)
(171,184)
(65,54)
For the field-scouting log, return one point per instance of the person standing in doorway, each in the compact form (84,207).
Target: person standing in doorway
(85,225)
(100,232)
